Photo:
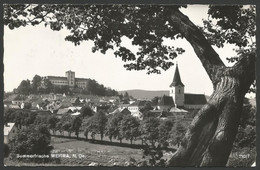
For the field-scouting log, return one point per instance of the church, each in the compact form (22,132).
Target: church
(184,100)
(178,100)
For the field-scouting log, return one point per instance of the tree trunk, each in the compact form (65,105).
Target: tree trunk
(101,136)
(219,148)
(86,135)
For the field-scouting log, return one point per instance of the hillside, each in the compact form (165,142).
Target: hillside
(145,94)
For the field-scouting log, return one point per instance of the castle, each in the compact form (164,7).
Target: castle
(69,80)
(184,100)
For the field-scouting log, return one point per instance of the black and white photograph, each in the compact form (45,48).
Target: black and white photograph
(129,85)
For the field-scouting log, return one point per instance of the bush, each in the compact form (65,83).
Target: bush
(32,140)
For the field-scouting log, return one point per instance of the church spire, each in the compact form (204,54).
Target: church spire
(177,78)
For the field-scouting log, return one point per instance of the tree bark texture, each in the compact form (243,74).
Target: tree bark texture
(209,139)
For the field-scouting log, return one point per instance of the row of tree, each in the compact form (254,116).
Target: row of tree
(120,126)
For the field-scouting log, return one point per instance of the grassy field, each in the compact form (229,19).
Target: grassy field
(74,152)
(79,152)
(104,155)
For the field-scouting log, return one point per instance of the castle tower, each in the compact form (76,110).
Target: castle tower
(71,78)
(177,89)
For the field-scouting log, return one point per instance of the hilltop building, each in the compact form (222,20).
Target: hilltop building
(184,100)
(69,80)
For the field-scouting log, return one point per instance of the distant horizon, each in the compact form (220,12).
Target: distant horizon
(208,95)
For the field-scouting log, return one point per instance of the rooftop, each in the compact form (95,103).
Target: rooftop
(139,103)
(8,128)
(194,99)
(166,100)
(176,79)
(57,77)
(81,79)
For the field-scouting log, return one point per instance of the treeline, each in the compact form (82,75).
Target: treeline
(94,88)
(41,85)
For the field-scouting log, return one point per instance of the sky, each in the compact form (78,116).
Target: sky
(38,50)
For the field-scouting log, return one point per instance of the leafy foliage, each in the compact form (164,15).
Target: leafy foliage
(32,140)
(154,155)
(76,123)
(66,123)
(24,87)
(147,107)
(52,122)
(130,128)
(95,88)
(149,130)
(113,129)
(36,83)
(97,124)
(155,101)
(165,132)
(20,118)
(234,25)
(177,133)
(246,135)
(86,111)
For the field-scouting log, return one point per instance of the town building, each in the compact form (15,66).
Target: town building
(10,131)
(136,107)
(69,80)
(18,99)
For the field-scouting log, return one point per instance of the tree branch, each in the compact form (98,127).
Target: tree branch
(207,55)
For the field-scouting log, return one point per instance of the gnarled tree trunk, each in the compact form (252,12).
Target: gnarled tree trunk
(209,139)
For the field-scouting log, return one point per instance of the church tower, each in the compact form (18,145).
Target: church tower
(71,78)
(177,89)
